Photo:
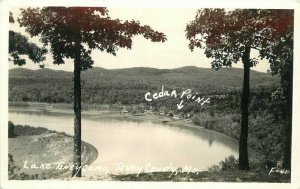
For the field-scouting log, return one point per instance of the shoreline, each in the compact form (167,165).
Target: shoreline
(97,114)
(203,176)
(114,114)
(39,153)
(67,174)
(105,114)
(118,115)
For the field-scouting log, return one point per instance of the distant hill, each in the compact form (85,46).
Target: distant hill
(42,73)
(127,85)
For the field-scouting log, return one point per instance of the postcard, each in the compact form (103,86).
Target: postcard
(140,94)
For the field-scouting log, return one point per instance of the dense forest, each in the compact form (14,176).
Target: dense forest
(127,86)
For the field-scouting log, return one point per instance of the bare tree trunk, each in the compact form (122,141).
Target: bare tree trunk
(77,114)
(243,142)
(287,142)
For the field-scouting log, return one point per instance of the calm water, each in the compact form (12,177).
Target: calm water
(134,146)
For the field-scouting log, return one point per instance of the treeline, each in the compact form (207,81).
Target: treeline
(266,122)
(265,135)
(126,86)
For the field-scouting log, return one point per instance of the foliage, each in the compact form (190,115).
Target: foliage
(11,128)
(27,130)
(265,135)
(230,163)
(19,45)
(225,33)
(228,37)
(15,174)
(67,28)
(12,167)
(280,56)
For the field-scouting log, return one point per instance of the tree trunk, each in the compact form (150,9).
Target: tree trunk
(243,144)
(287,143)
(77,114)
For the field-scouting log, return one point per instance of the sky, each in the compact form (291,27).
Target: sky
(173,53)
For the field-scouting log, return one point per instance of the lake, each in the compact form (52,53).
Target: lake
(132,146)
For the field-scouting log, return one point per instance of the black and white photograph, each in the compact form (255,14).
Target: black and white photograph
(197,94)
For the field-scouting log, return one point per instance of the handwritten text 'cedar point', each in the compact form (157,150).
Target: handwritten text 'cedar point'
(184,95)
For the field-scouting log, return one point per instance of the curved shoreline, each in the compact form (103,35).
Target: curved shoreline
(88,161)
(93,115)
(97,114)
(172,122)
(204,176)
(39,146)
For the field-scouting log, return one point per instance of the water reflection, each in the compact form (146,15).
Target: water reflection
(139,143)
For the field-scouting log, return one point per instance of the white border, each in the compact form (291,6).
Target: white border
(272,4)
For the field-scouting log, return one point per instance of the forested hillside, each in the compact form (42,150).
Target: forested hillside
(127,86)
